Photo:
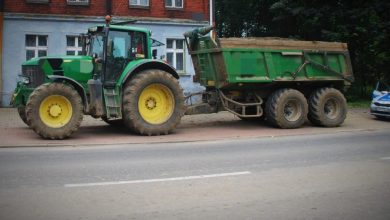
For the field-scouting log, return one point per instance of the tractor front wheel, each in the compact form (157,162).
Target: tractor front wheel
(22,114)
(153,103)
(54,110)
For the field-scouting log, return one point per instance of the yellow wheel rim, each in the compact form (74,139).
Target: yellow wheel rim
(156,104)
(55,111)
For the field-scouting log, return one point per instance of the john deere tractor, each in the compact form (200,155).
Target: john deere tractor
(117,79)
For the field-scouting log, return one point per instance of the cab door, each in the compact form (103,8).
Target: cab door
(122,48)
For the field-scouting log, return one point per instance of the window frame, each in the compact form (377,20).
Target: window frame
(78,49)
(138,5)
(77,2)
(36,48)
(173,6)
(38,1)
(174,50)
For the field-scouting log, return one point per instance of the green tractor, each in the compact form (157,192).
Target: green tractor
(117,79)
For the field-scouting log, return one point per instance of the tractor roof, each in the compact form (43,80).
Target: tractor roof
(119,27)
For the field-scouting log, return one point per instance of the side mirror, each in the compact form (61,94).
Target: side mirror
(154,53)
(96,58)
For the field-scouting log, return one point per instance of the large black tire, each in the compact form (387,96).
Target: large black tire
(153,103)
(327,107)
(286,108)
(22,114)
(54,110)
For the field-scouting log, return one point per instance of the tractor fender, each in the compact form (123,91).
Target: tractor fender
(148,64)
(79,88)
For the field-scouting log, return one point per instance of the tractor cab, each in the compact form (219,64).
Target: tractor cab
(113,48)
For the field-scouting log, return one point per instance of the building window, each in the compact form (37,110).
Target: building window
(175,53)
(73,45)
(142,3)
(174,3)
(38,1)
(36,46)
(77,2)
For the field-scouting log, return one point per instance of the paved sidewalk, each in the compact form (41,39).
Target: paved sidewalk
(223,125)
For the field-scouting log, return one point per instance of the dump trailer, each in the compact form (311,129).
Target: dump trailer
(281,80)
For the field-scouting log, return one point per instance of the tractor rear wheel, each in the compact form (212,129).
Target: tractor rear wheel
(22,114)
(153,103)
(54,110)
(286,108)
(327,107)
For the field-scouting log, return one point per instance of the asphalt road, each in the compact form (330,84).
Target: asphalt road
(344,175)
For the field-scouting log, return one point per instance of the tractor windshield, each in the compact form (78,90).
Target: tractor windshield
(96,46)
(93,47)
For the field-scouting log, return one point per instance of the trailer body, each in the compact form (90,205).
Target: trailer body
(250,75)
(233,62)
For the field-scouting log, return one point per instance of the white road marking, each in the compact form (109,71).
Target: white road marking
(157,180)
(385,158)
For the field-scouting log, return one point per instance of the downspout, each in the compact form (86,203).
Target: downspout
(212,33)
(108,7)
(1,50)
(211,12)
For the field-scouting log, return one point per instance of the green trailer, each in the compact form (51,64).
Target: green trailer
(282,80)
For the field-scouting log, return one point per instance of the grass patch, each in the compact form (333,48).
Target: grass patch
(359,103)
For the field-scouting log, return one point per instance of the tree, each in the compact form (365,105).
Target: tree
(364,25)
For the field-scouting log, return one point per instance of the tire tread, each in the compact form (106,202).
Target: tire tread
(316,114)
(32,111)
(273,111)
(134,86)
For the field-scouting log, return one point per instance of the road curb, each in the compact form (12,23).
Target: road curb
(182,141)
(196,128)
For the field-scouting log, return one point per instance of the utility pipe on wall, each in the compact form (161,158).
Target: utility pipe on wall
(109,7)
(1,50)
(212,17)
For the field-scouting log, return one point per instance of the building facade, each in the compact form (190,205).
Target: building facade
(34,28)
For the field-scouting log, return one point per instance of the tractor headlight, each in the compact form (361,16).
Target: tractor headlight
(24,80)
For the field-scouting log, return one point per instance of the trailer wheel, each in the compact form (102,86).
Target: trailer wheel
(153,103)
(22,114)
(286,108)
(327,107)
(54,110)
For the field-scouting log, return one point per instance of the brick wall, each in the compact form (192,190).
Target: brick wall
(95,7)
(193,9)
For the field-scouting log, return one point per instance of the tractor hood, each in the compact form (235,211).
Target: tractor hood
(79,68)
(63,65)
